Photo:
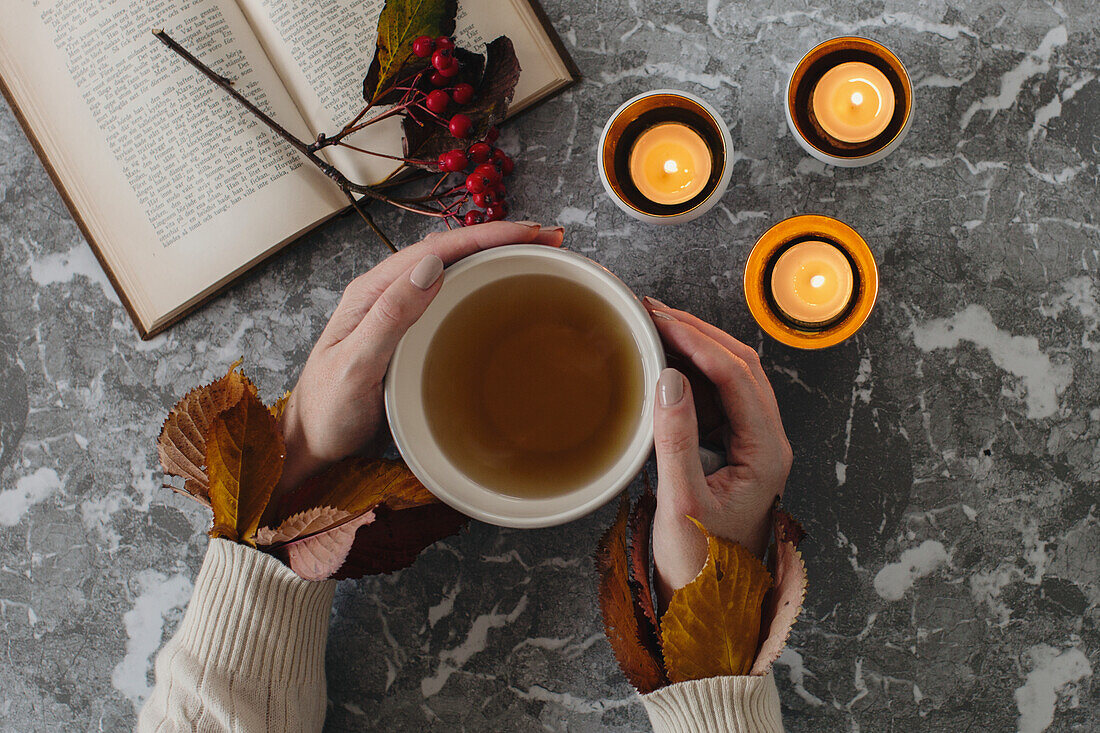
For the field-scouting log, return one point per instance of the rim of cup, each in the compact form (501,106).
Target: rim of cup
(407,416)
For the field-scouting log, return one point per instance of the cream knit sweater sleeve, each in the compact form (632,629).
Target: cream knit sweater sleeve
(250,653)
(249,657)
(716,705)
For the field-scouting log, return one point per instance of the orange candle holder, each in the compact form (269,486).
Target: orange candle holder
(808,131)
(758,281)
(644,112)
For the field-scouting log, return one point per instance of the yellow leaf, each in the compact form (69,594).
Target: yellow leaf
(244,458)
(712,625)
(279,407)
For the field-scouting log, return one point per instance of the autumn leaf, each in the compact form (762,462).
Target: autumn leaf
(354,485)
(498,86)
(400,23)
(620,620)
(395,538)
(641,524)
(244,459)
(712,625)
(279,407)
(181,445)
(783,603)
(317,555)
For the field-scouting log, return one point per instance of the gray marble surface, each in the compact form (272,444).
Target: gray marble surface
(947,458)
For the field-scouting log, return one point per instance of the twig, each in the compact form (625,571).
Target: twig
(304,148)
(370,221)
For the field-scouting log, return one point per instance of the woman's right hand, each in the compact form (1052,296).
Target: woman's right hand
(735,501)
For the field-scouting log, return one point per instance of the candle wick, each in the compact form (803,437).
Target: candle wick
(817,281)
(670,166)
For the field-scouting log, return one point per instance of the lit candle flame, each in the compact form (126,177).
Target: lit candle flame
(817,281)
(670,166)
(857,99)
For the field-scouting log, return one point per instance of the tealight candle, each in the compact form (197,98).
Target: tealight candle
(812,282)
(670,163)
(853,102)
(664,157)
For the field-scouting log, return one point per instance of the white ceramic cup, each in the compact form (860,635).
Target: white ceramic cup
(408,419)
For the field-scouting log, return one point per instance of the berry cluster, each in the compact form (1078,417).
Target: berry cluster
(487,167)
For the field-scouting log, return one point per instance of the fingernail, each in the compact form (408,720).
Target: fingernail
(534,224)
(661,315)
(653,302)
(670,387)
(426,272)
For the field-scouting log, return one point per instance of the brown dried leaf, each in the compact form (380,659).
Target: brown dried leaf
(712,624)
(181,445)
(498,86)
(355,485)
(641,524)
(244,458)
(317,556)
(783,603)
(400,23)
(395,539)
(620,621)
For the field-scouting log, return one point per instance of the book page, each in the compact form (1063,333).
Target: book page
(323,48)
(177,183)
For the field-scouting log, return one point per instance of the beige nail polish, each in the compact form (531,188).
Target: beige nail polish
(670,387)
(661,316)
(426,272)
(653,302)
(529,223)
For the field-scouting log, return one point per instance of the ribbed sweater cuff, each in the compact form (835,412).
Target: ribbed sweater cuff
(716,705)
(251,614)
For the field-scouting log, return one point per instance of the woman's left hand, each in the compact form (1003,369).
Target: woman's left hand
(336,408)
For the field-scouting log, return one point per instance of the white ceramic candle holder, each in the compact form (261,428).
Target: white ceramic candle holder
(640,113)
(812,137)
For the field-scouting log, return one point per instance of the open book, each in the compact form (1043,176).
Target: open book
(177,188)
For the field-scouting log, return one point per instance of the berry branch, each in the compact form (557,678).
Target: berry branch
(449,101)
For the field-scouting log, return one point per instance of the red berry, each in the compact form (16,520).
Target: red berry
(442,58)
(445,42)
(463,93)
(479,153)
(501,191)
(451,71)
(496,212)
(492,135)
(452,161)
(438,80)
(503,162)
(477,183)
(474,217)
(489,171)
(437,101)
(460,125)
(479,199)
(423,47)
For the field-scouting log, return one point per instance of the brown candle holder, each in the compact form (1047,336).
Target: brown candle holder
(758,276)
(809,133)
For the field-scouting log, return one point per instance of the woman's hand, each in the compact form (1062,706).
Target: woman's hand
(734,501)
(336,408)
